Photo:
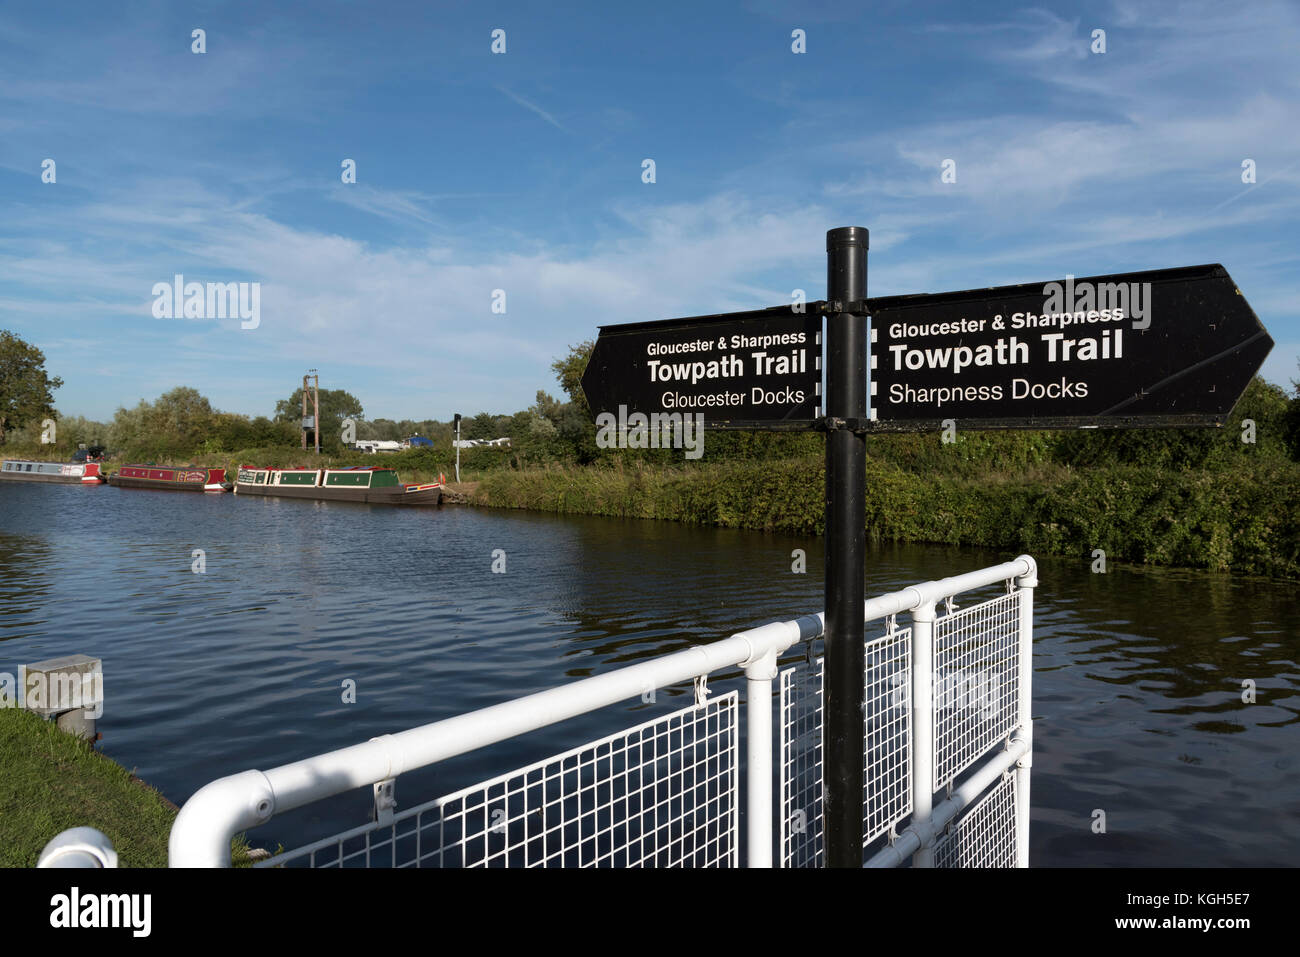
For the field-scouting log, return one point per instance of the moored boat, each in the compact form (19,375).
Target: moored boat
(192,479)
(357,483)
(64,473)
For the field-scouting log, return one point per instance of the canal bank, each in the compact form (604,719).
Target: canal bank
(54,780)
(1243,521)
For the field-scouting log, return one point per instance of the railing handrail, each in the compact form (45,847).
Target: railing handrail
(202,832)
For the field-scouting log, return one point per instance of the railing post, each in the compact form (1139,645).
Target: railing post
(923,727)
(1025,713)
(78,847)
(758,754)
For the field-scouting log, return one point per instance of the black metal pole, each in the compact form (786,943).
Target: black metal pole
(844,684)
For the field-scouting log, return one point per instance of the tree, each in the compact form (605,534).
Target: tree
(335,406)
(184,415)
(569,370)
(385,430)
(481,426)
(26,390)
(1291,424)
(179,422)
(233,432)
(76,429)
(547,407)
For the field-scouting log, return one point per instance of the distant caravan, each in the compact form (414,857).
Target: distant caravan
(192,479)
(501,443)
(359,483)
(373,446)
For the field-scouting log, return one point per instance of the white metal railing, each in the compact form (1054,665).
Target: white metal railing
(666,791)
(82,847)
(887,792)
(972,715)
(663,793)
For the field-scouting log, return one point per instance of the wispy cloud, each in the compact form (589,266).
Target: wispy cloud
(389,204)
(528,105)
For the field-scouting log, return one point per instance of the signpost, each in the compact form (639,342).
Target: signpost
(457,444)
(1171,347)
(844,681)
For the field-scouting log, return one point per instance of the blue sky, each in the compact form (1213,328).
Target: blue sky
(522,172)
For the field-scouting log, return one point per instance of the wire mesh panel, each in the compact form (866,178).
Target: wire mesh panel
(985,836)
(661,794)
(887,796)
(976,682)
(801,765)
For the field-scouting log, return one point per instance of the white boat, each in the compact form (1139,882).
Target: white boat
(64,473)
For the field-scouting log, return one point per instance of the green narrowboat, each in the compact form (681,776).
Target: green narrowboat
(356,483)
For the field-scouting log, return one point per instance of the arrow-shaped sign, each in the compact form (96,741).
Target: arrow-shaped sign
(740,370)
(1170,347)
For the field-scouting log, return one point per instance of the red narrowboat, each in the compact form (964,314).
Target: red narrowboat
(190,478)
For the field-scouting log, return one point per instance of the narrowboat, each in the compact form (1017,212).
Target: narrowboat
(190,479)
(357,483)
(65,473)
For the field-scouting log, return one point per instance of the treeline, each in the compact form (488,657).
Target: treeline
(182,425)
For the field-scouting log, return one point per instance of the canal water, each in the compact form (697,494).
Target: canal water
(1137,685)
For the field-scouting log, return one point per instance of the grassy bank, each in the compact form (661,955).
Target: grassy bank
(1245,521)
(52,781)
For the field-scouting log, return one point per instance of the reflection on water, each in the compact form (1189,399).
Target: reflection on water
(1138,673)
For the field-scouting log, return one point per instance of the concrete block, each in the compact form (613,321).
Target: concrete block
(58,686)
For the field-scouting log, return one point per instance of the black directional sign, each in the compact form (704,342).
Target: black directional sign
(1170,347)
(740,370)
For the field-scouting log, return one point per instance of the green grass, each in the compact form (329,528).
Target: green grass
(51,781)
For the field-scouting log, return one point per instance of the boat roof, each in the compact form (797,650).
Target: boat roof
(154,465)
(304,468)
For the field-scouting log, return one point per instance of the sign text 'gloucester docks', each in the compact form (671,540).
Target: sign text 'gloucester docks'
(1166,347)
(739,370)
